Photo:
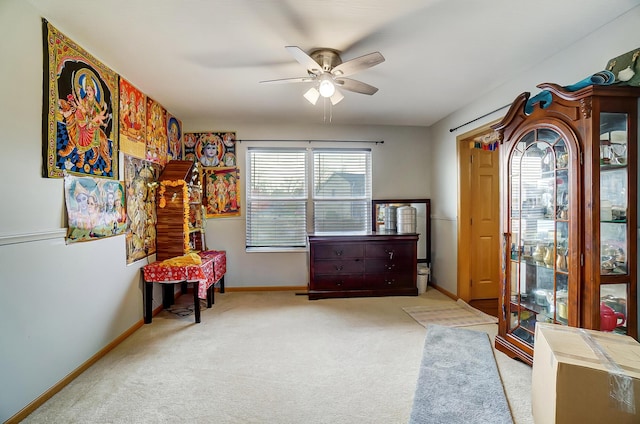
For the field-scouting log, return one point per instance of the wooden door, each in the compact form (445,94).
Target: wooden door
(478,222)
(485,225)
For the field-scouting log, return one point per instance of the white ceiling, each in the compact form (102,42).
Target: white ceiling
(203,59)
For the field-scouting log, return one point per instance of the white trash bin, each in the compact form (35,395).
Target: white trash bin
(423,278)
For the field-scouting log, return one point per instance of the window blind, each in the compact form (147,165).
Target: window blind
(342,190)
(280,206)
(277,198)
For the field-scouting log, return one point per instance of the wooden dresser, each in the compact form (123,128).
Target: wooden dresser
(362,264)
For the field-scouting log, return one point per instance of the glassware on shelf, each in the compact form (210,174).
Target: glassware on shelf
(614,299)
(561,259)
(548,257)
(539,253)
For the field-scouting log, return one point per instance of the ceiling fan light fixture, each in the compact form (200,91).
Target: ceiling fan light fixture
(336,98)
(326,87)
(312,95)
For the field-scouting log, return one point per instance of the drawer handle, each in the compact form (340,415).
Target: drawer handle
(390,282)
(338,252)
(390,267)
(339,267)
(339,283)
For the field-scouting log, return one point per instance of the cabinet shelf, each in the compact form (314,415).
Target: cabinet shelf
(611,166)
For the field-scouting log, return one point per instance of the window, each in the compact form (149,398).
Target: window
(292,191)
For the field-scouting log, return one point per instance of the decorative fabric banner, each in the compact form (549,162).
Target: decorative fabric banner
(221,192)
(174,133)
(139,176)
(95,208)
(133,128)
(80,110)
(157,140)
(211,149)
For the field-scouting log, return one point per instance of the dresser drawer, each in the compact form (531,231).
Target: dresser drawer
(390,250)
(345,266)
(379,266)
(337,282)
(391,281)
(338,251)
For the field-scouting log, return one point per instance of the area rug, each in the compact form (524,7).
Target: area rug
(458,382)
(459,314)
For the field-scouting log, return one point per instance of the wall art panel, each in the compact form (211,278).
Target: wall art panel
(133,106)
(157,141)
(95,208)
(80,110)
(221,192)
(139,177)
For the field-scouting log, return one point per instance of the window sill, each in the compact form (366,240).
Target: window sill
(276,249)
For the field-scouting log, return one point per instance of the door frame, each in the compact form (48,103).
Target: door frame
(464,217)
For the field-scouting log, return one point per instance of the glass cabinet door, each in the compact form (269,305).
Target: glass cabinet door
(540,211)
(614,242)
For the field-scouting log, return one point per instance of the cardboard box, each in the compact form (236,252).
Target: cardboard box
(584,376)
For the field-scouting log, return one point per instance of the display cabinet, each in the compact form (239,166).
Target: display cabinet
(180,226)
(569,206)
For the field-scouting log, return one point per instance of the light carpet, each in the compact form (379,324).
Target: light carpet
(268,357)
(459,314)
(461,388)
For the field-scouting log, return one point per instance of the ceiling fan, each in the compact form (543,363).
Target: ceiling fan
(327,71)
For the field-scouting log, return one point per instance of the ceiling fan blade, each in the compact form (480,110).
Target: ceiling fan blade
(358,64)
(286,80)
(304,59)
(355,86)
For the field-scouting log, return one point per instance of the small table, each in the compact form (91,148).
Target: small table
(205,275)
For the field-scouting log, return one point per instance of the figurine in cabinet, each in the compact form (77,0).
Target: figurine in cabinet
(580,150)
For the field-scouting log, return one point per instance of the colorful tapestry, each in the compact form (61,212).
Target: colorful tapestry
(139,177)
(221,192)
(211,149)
(95,208)
(189,143)
(174,133)
(229,142)
(133,104)
(157,140)
(80,110)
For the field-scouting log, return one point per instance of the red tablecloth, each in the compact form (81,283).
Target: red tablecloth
(203,274)
(219,262)
(213,267)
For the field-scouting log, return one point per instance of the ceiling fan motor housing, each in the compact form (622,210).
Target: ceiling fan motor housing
(327,58)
